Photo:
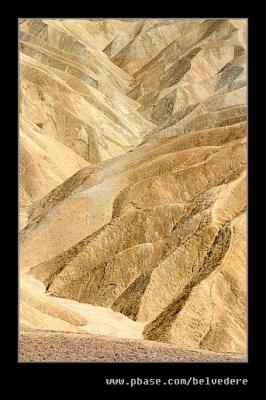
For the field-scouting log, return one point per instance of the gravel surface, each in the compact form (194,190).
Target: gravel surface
(59,346)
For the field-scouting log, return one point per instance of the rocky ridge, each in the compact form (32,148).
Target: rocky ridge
(139,137)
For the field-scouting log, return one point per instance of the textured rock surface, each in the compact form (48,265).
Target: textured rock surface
(149,118)
(72,95)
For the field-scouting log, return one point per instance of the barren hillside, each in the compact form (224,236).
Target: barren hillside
(133,180)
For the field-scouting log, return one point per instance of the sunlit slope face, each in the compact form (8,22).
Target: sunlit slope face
(72,103)
(153,225)
(77,94)
(160,230)
(200,83)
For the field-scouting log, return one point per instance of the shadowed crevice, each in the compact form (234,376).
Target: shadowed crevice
(159,328)
(129,302)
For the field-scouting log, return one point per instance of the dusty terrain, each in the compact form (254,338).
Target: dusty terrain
(59,346)
(133,188)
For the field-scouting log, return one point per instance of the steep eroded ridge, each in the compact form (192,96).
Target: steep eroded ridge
(153,228)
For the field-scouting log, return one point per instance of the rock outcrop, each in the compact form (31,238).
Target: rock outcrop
(136,198)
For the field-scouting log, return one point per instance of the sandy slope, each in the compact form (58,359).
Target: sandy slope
(41,311)
(148,239)
(44,164)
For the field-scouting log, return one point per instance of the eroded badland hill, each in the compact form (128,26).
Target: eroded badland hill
(133,181)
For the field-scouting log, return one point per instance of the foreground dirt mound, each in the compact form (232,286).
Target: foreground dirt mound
(154,226)
(58,346)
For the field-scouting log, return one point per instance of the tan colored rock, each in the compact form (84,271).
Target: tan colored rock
(135,201)
(210,312)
